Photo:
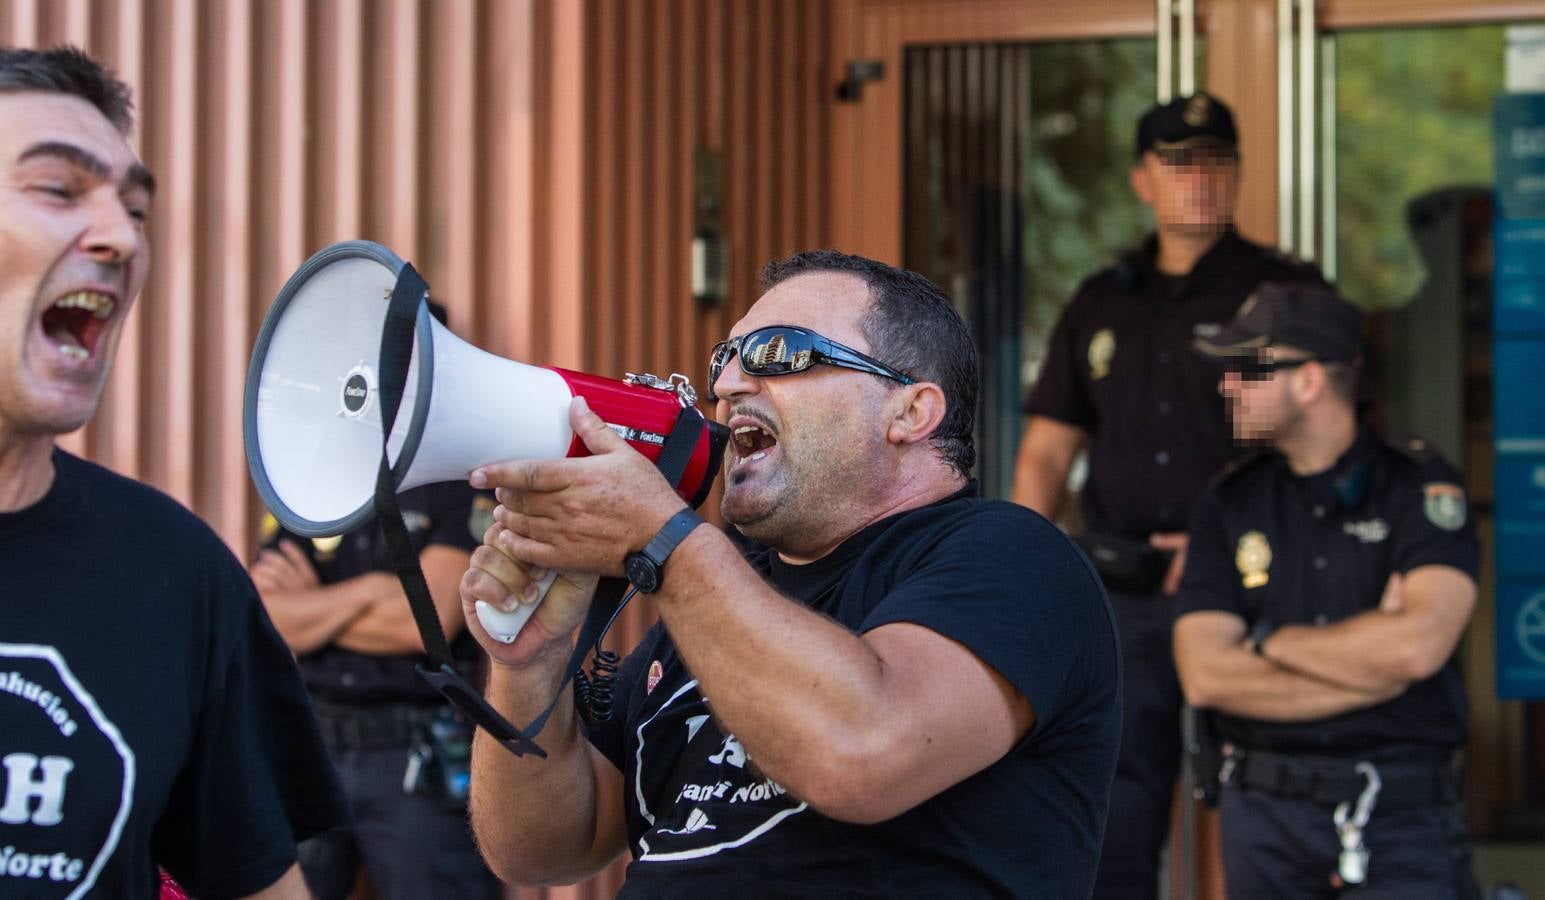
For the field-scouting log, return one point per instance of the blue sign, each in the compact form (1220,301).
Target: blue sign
(1520,249)
(1518,366)
(1519,306)
(1521,639)
(1519,139)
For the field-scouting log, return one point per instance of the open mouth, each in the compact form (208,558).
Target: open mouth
(76,322)
(751,443)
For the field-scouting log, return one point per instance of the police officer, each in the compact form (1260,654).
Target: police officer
(1120,377)
(1330,577)
(401,752)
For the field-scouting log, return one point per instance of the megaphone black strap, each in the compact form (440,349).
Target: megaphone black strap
(611,594)
(396,353)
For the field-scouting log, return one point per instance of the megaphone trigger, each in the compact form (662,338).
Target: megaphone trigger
(505,626)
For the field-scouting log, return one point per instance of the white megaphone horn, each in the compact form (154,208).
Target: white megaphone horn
(311,417)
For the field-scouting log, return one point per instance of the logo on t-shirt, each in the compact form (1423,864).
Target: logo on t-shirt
(696,786)
(66,778)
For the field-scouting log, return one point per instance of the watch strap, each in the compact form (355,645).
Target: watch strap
(664,542)
(1258,635)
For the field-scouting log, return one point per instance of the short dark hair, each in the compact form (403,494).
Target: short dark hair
(911,326)
(1343,379)
(68,70)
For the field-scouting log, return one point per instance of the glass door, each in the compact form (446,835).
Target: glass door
(1015,190)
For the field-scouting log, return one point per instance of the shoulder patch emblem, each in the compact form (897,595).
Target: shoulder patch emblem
(481,517)
(1444,504)
(656,672)
(1102,349)
(1253,557)
(326,546)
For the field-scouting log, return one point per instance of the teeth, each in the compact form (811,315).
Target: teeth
(99,305)
(742,460)
(74,351)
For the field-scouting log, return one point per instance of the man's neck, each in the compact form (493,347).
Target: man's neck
(26,469)
(909,495)
(1178,253)
(1319,441)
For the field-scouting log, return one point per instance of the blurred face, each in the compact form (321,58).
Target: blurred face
(1257,392)
(1192,190)
(73,256)
(808,449)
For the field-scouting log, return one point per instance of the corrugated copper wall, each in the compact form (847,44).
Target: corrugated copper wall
(534,158)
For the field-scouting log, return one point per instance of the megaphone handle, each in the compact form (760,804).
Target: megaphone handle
(505,626)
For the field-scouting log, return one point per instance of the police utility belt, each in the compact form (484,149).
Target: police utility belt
(1330,781)
(378,726)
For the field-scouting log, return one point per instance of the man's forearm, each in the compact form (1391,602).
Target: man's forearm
(1238,682)
(1366,653)
(543,821)
(309,619)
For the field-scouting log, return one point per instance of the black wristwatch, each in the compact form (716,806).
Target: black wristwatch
(1258,635)
(645,568)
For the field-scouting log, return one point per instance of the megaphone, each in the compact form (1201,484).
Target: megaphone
(311,417)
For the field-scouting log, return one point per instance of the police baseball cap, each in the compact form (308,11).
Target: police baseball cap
(1199,120)
(1310,317)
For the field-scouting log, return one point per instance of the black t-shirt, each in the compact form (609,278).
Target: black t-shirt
(1267,544)
(1120,366)
(151,713)
(997,578)
(449,514)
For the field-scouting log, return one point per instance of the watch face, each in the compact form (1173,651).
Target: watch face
(642,572)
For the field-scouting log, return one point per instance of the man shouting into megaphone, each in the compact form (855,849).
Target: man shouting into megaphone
(911,688)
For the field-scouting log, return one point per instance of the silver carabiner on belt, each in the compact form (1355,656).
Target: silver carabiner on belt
(1350,822)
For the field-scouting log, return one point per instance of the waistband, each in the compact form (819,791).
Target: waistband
(1327,781)
(377,727)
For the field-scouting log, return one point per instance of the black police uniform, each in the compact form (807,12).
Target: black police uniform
(1120,366)
(1277,548)
(399,751)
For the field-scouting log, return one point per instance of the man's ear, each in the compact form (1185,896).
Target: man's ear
(917,412)
(1142,183)
(1309,382)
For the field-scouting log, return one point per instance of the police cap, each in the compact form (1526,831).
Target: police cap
(1311,317)
(1199,120)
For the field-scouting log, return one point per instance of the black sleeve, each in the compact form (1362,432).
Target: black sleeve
(458,512)
(1012,589)
(1434,524)
(1211,578)
(257,779)
(1061,392)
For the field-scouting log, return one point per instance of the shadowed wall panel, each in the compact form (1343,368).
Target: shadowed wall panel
(533,158)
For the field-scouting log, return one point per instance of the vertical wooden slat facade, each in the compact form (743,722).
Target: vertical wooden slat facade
(534,158)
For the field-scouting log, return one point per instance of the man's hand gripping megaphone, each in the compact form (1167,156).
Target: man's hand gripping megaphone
(575,516)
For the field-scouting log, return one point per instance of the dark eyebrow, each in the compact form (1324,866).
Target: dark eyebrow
(138,175)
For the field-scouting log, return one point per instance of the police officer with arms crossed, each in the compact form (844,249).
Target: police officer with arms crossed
(1330,577)
(1119,376)
(913,691)
(400,750)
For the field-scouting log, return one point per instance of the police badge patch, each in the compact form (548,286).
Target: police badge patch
(1444,505)
(326,547)
(1253,557)
(481,518)
(1102,349)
